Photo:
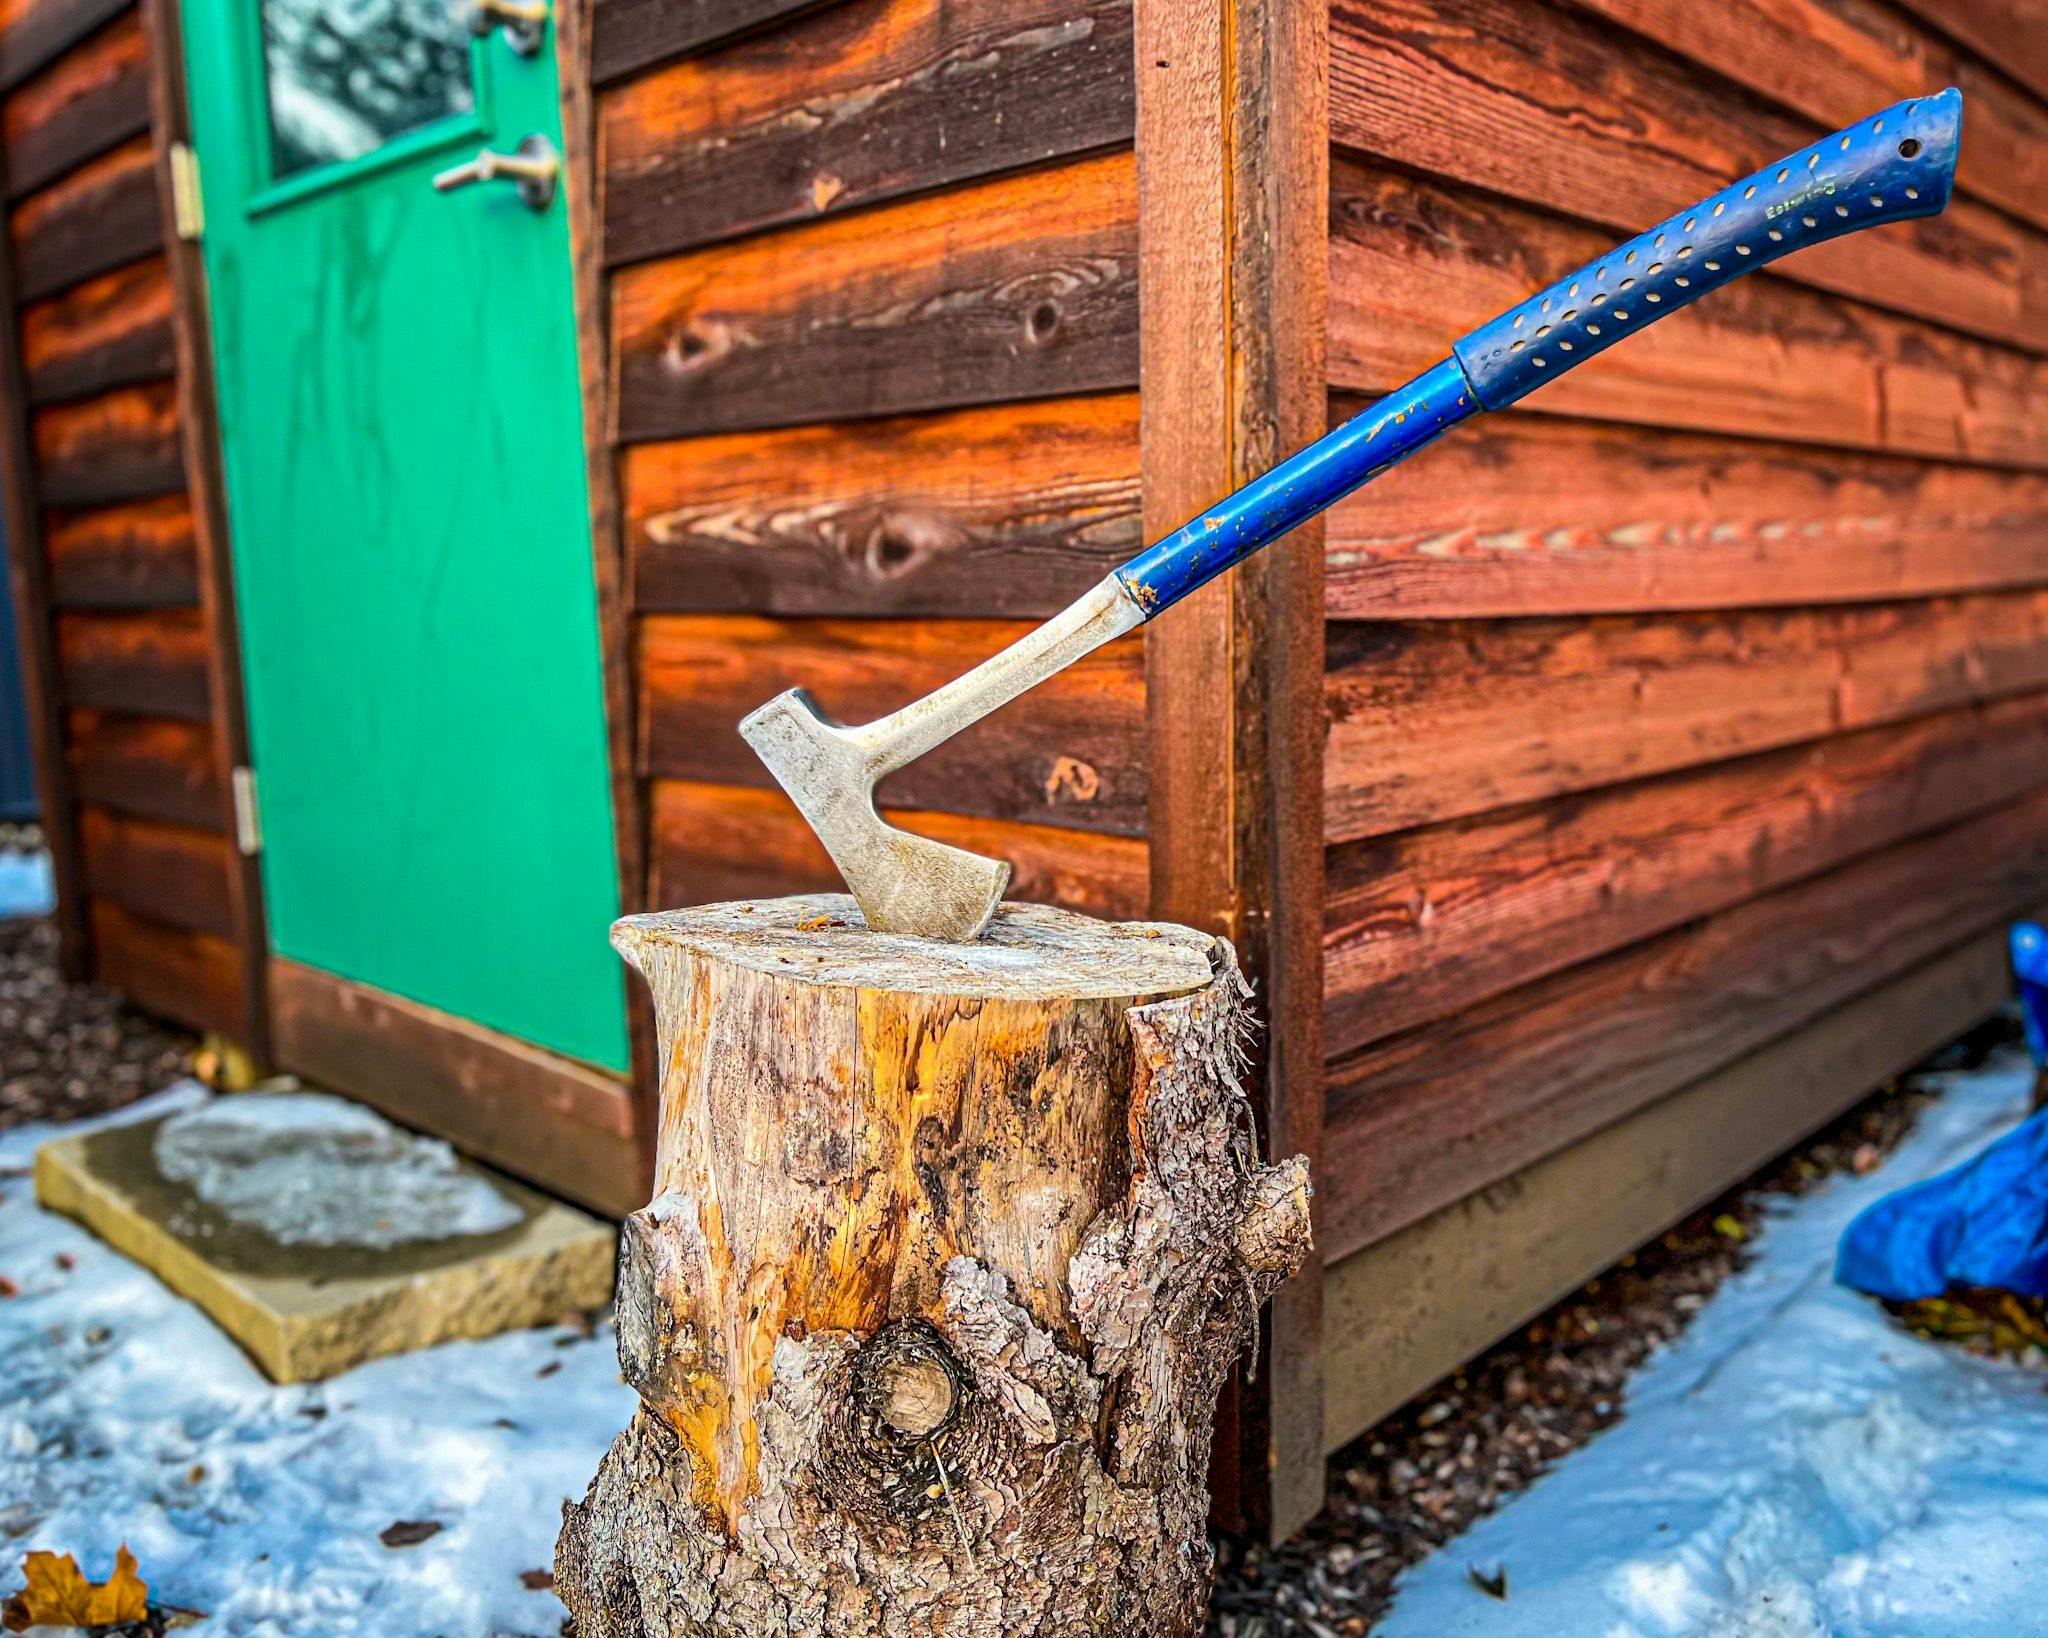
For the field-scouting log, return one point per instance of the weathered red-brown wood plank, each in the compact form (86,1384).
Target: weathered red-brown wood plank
(1023,287)
(1538,514)
(170,873)
(1008,511)
(865,101)
(629,35)
(1415,263)
(1070,752)
(138,555)
(103,215)
(1838,60)
(111,331)
(2006,32)
(34,33)
(1425,1118)
(81,106)
(515,1105)
(1422,924)
(123,445)
(1539,102)
(1431,720)
(194,978)
(714,842)
(151,768)
(147,664)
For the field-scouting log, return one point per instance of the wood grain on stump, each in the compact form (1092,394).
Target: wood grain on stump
(950,1249)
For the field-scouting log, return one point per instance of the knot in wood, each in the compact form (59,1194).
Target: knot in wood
(908,1385)
(916,1397)
(903,1406)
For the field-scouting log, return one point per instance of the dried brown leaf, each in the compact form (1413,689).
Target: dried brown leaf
(57,1594)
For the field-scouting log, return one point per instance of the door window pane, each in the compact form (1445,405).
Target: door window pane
(346,76)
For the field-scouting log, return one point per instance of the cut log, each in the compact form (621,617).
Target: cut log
(950,1250)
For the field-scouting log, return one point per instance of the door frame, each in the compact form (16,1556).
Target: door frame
(192,337)
(583,190)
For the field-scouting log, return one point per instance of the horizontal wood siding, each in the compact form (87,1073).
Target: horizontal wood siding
(1000,511)
(868,279)
(871,100)
(150,767)
(102,215)
(112,331)
(736,842)
(1707,690)
(35,33)
(1416,263)
(629,35)
(1427,922)
(1540,514)
(1540,101)
(1024,287)
(134,715)
(1423,1118)
(1069,752)
(94,99)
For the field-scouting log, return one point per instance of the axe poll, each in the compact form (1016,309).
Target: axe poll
(1896,164)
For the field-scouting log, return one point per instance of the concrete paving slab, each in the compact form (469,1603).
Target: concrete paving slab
(316,1302)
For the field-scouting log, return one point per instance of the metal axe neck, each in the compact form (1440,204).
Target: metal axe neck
(1105,612)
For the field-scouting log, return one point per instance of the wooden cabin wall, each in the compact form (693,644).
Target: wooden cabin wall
(126,630)
(1700,702)
(865,321)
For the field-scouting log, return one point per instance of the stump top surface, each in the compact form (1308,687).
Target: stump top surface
(1029,950)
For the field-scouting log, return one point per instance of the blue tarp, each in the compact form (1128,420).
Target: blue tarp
(1984,1223)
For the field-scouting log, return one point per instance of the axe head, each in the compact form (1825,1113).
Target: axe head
(903,883)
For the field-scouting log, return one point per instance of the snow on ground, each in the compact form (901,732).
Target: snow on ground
(126,1416)
(312,1169)
(25,885)
(1794,1466)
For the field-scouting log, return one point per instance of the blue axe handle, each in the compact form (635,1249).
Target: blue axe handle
(1896,164)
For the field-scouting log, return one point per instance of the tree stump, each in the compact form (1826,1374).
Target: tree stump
(950,1249)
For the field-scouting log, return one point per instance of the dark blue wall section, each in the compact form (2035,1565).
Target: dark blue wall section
(17,776)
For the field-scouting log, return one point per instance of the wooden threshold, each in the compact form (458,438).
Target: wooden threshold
(558,1122)
(1404,1312)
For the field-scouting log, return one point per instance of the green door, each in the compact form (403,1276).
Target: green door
(401,430)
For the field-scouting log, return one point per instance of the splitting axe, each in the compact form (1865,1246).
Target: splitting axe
(1894,165)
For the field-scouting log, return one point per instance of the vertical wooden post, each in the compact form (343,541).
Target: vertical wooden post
(1233,200)
(583,183)
(199,419)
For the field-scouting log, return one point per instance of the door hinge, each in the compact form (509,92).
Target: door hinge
(188,210)
(248,819)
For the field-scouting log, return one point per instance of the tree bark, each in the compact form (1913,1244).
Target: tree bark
(950,1249)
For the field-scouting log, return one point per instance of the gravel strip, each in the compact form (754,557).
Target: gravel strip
(70,1050)
(1454,1453)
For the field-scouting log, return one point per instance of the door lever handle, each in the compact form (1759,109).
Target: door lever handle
(533,167)
(524,21)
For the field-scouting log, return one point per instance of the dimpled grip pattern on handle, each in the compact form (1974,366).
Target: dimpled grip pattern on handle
(1894,165)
